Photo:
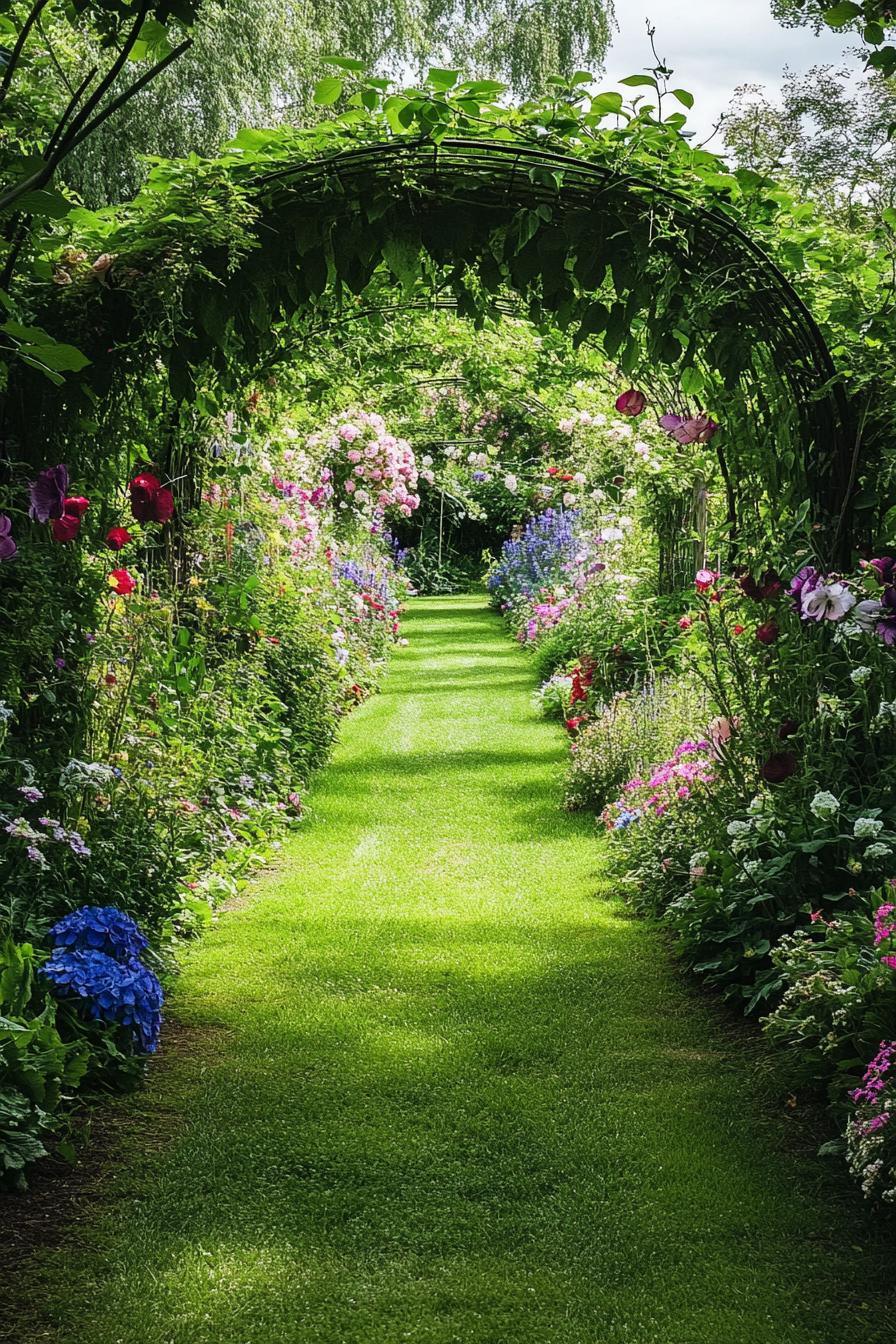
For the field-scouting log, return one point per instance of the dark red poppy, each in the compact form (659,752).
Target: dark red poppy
(67,527)
(767,633)
(779,766)
(117,538)
(151,502)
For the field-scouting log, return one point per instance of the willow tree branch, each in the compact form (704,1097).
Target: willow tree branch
(19,47)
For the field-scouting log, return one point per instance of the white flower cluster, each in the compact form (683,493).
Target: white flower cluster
(824,806)
(867,828)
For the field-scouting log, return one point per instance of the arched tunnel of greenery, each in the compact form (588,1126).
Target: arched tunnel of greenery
(317,403)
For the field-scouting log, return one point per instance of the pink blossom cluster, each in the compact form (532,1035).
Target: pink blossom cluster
(884,929)
(298,512)
(374,470)
(545,615)
(676,780)
(877,1082)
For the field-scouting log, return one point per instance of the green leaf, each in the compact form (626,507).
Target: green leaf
(58,356)
(403,259)
(442,79)
(683,97)
(49,204)
(345,63)
(328,91)
(841,14)
(692,381)
(605,103)
(639,81)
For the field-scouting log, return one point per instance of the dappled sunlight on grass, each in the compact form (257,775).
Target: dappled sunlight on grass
(462,1096)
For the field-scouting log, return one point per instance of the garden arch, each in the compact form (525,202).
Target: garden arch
(677,291)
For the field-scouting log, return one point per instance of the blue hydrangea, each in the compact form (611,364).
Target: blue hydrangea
(102,928)
(123,992)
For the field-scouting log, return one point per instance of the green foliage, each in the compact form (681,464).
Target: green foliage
(36,1065)
(826,136)
(628,735)
(658,307)
(873,20)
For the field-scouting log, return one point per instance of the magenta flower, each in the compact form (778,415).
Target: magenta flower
(631,402)
(8,547)
(805,581)
(48,494)
(689,429)
(704,580)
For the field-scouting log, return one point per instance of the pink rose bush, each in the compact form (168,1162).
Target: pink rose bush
(374,472)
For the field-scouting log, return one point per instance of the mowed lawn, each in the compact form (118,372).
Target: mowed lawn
(438,1086)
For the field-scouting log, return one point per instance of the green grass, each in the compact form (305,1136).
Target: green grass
(441,1087)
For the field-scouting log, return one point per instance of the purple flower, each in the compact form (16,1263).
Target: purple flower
(48,494)
(689,429)
(32,794)
(8,547)
(59,664)
(803,582)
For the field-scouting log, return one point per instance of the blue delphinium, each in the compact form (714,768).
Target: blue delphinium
(102,928)
(538,559)
(96,960)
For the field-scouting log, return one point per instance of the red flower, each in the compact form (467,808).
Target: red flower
(122,582)
(151,502)
(164,505)
(552,471)
(574,723)
(685,623)
(704,579)
(788,728)
(111,679)
(779,766)
(738,630)
(117,538)
(631,402)
(767,633)
(68,526)
(763,590)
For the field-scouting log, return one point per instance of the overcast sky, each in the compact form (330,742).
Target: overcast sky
(713,46)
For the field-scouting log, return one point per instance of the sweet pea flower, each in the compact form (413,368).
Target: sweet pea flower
(631,402)
(117,538)
(151,502)
(693,429)
(8,547)
(47,494)
(68,526)
(704,580)
(827,602)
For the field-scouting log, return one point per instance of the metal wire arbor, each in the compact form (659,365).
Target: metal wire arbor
(674,288)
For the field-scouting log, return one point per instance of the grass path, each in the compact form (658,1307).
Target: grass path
(447,1091)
